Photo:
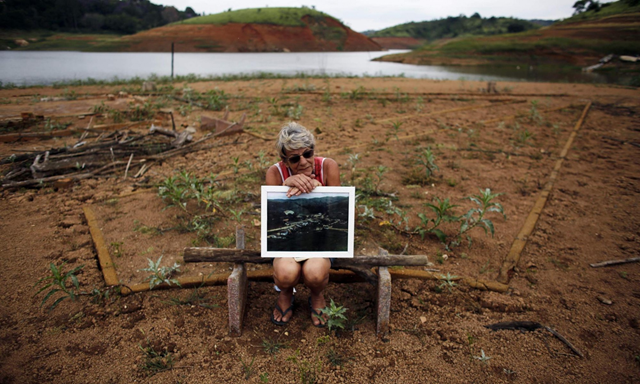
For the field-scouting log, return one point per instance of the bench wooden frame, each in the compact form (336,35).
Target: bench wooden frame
(237,294)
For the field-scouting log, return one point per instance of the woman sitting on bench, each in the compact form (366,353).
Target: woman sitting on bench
(301,171)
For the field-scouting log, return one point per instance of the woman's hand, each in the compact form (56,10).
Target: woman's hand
(300,184)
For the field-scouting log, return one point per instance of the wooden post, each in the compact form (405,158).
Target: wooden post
(237,289)
(171,62)
(383,304)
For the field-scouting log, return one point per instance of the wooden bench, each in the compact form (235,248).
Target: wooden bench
(361,265)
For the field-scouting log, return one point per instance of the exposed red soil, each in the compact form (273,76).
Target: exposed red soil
(436,335)
(235,37)
(398,42)
(616,28)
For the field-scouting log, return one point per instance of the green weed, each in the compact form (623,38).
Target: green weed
(475,217)
(427,159)
(154,361)
(442,210)
(448,281)
(308,372)
(247,369)
(335,316)
(58,281)
(159,275)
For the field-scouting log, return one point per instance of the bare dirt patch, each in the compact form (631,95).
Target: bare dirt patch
(436,334)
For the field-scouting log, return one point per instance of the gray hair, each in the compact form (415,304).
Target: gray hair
(294,136)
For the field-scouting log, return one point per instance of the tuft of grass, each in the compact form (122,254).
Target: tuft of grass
(272,346)
(154,361)
(247,369)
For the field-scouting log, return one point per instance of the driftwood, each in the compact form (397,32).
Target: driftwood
(532,326)
(615,262)
(222,127)
(231,255)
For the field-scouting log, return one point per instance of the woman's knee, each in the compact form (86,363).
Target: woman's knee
(286,274)
(316,272)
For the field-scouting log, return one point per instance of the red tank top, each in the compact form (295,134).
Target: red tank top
(285,172)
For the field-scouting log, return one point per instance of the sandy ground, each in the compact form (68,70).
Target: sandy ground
(437,334)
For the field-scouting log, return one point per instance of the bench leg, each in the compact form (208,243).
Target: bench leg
(237,297)
(237,290)
(383,302)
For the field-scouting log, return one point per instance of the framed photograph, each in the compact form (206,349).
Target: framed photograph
(316,224)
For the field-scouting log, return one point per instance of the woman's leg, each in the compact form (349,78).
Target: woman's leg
(286,275)
(315,273)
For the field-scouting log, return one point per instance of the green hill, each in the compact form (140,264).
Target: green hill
(578,41)
(290,17)
(456,27)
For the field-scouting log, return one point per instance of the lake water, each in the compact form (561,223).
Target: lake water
(31,68)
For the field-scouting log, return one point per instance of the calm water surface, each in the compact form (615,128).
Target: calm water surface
(30,68)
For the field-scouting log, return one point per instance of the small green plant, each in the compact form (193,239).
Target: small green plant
(50,125)
(336,358)
(58,281)
(272,346)
(236,164)
(427,159)
(448,281)
(523,137)
(116,248)
(353,161)
(475,217)
(395,129)
(154,361)
(335,317)
(195,298)
(442,210)
(99,108)
(247,369)
(323,340)
(263,161)
(367,213)
(483,358)
(264,377)
(534,115)
(308,372)
(160,275)
(237,215)
(295,113)
(379,172)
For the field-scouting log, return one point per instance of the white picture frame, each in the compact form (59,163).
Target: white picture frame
(311,225)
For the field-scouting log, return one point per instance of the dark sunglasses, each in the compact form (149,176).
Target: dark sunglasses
(296,158)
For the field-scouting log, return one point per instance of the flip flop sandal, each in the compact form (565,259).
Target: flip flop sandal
(317,313)
(283,313)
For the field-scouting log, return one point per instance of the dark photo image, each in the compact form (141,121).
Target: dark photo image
(311,223)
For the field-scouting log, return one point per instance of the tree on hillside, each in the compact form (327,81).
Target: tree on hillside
(586,5)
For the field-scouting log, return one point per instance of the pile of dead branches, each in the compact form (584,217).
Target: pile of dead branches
(121,152)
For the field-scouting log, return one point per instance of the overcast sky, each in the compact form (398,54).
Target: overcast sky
(362,15)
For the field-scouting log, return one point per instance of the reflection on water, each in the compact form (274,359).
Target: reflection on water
(29,68)
(308,224)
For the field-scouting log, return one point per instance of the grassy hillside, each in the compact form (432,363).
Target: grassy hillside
(290,17)
(578,41)
(608,9)
(457,27)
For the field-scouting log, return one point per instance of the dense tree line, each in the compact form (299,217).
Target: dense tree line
(121,16)
(457,26)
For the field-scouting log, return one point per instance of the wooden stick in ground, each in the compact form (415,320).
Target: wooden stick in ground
(126,171)
(615,262)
